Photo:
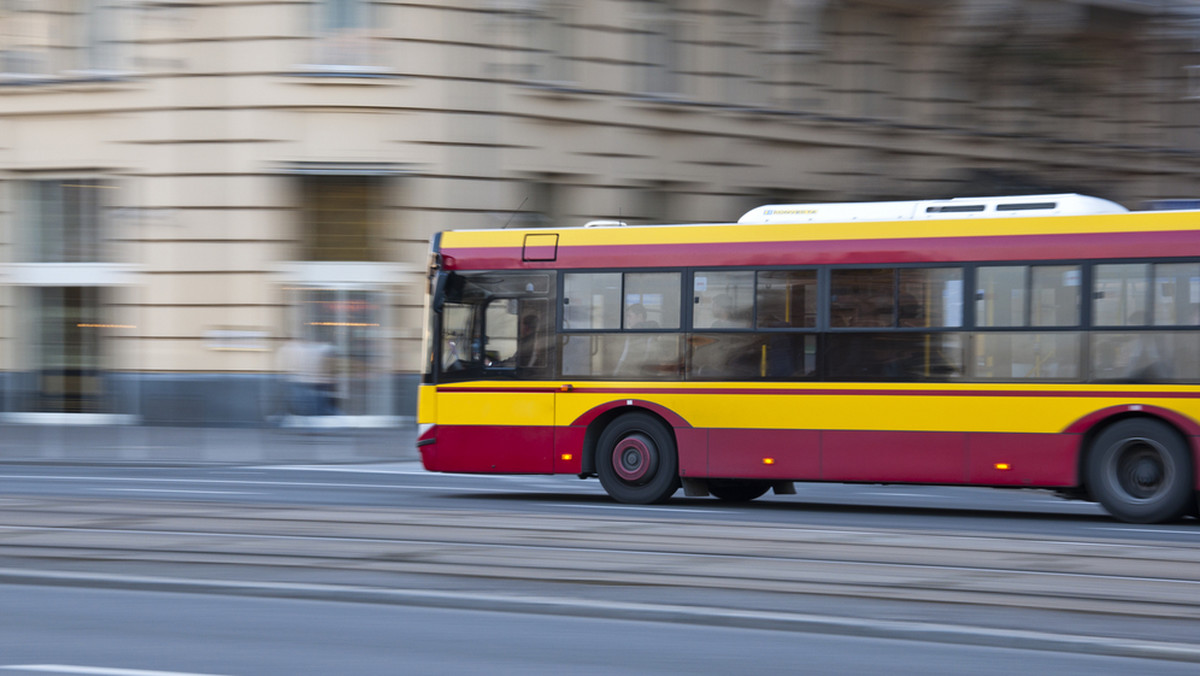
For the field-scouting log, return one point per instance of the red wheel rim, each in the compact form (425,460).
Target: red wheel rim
(633,458)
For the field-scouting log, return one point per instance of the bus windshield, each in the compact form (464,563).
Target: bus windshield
(496,323)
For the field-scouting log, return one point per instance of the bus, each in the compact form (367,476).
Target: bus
(1048,341)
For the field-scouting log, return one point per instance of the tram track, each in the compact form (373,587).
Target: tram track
(1101,575)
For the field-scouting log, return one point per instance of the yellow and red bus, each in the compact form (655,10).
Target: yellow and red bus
(1050,341)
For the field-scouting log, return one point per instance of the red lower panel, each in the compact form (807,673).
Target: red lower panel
(901,457)
(764,454)
(486,448)
(568,449)
(1023,459)
(1196,458)
(991,459)
(693,450)
(692,446)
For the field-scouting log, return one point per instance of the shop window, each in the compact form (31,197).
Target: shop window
(344,327)
(69,335)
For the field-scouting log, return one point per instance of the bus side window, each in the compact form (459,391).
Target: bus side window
(500,324)
(534,338)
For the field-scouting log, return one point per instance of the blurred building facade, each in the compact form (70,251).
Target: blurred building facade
(187,186)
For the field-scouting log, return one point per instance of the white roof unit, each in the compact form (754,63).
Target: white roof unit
(1068,204)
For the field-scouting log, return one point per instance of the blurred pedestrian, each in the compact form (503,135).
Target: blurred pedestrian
(309,369)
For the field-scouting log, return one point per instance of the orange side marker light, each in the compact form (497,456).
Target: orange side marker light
(768,461)
(568,456)
(1003,466)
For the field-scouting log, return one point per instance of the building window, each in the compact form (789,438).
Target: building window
(62,220)
(342,218)
(547,203)
(659,49)
(343,33)
(43,39)
(548,34)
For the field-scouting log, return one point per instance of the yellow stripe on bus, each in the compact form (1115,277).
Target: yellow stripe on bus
(704,234)
(859,407)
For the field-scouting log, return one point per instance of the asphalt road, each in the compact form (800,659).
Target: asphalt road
(127,633)
(407,485)
(831,576)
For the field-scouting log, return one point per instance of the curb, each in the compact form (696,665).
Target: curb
(699,615)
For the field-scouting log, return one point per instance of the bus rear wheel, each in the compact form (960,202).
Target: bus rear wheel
(637,461)
(737,490)
(1140,470)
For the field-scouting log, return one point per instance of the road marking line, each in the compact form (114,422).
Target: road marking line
(922,496)
(172,490)
(653,510)
(1149,529)
(96,671)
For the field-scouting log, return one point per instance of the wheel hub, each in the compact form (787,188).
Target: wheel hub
(1141,469)
(634,458)
(1147,473)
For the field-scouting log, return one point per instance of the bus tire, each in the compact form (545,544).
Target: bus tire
(636,460)
(1140,470)
(737,490)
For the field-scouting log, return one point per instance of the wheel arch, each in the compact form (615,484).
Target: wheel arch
(603,415)
(1093,425)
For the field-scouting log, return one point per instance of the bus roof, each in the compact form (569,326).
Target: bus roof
(1067,204)
(945,236)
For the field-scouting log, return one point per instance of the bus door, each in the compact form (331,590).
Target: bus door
(494,410)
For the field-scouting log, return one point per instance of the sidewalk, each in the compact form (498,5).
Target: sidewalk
(216,445)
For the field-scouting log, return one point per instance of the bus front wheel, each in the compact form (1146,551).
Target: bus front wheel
(1140,470)
(636,460)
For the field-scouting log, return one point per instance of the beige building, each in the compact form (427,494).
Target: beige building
(184,186)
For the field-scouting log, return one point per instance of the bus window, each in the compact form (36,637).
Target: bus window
(459,348)
(1022,295)
(500,333)
(1146,356)
(787,299)
(723,300)
(930,297)
(1177,294)
(639,355)
(863,298)
(752,356)
(534,337)
(1056,295)
(592,300)
(1000,299)
(1120,294)
(1020,356)
(894,355)
(652,300)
